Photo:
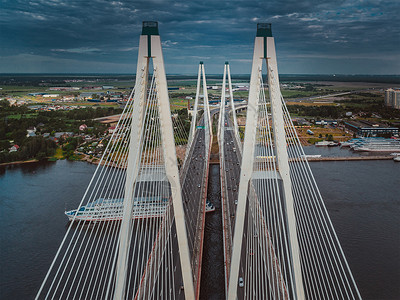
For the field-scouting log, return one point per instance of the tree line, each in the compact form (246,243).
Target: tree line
(32,148)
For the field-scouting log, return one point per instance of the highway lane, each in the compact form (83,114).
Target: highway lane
(251,245)
(232,161)
(232,165)
(194,180)
(230,173)
(194,189)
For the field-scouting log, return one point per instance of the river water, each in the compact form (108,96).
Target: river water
(362,197)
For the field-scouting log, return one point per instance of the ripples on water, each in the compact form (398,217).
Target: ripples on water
(363,201)
(33,198)
(362,197)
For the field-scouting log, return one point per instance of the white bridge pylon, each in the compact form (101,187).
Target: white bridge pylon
(264,49)
(284,245)
(128,237)
(150,48)
(221,123)
(201,82)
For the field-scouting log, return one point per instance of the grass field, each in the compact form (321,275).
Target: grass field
(301,93)
(59,154)
(311,103)
(178,103)
(82,103)
(25,116)
(337,133)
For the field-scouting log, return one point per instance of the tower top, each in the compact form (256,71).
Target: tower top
(201,62)
(227,62)
(264,30)
(150,28)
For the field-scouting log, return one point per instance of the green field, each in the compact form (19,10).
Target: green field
(24,116)
(301,93)
(59,154)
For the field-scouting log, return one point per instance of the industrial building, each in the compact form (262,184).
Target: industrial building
(365,128)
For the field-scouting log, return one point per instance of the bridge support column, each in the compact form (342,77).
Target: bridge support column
(264,49)
(283,163)
(195,108)
(150,47)
(246,168)
(235,124)
(132,168)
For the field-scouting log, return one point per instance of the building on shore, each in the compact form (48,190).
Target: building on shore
(365,128)
(14,148)
(392,98)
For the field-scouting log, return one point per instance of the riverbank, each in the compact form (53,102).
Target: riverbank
(19,162)
(349,158)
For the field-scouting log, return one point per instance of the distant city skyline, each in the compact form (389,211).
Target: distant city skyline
(312,37)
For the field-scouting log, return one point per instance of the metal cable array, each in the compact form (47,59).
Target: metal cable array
(267,264)
(85,264)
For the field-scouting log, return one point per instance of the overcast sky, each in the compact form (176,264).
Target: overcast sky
(96,36)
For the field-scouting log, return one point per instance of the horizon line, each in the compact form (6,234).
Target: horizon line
(194,74)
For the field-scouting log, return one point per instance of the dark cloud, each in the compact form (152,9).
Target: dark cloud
(315,36)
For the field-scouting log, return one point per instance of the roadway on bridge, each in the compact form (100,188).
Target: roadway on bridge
(193,182)
(194,187)
(231,173)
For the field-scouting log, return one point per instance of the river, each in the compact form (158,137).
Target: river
(362,197)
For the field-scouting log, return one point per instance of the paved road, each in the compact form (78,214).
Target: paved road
(193,184)
(231,162)
(194,188)
(250,257)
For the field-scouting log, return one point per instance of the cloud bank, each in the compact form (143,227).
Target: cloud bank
(311,36)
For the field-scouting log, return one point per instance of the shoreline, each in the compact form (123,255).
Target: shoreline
(350,158)
(19,162)
(310,159)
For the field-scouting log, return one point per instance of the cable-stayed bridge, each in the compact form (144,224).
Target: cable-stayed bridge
(138,230)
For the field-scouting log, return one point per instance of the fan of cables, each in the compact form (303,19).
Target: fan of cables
(268,266)
(85,263)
